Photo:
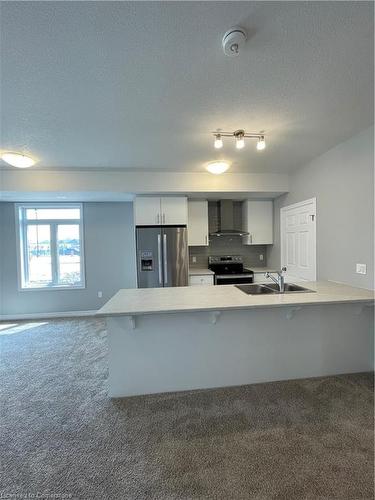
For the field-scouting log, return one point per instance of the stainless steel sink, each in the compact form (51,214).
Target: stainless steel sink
(260,289)
(288,287)
(254,289)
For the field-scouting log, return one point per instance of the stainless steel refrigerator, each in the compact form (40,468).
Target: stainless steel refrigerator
(162,256)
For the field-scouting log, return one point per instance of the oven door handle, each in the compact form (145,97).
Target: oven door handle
(233,279)
(233,276)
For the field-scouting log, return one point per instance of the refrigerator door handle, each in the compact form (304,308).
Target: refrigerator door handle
(165,259)
(159,260)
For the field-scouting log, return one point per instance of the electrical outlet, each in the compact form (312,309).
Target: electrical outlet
(100,294)
(261,257)
(361,269)
(194,260)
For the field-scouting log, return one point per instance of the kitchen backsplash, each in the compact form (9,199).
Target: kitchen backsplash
(227,245)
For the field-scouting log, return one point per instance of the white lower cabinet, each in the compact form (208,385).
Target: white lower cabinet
(201,279)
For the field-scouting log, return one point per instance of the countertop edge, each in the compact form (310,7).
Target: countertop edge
(241,307)
(200,271)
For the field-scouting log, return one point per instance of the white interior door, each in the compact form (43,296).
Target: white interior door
(298,240)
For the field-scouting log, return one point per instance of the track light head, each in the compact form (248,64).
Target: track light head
(240,138)
(218,143)
(261,144)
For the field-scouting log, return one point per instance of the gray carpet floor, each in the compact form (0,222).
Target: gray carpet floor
(62,437)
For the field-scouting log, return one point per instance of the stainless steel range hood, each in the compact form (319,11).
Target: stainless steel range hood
(226,220)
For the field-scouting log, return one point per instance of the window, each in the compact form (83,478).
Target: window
(51,246)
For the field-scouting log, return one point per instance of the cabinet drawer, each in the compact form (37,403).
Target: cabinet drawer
(201,279)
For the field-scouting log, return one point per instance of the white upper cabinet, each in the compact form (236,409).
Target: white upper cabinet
(257,220)
(174,210)
(147,211)
(157,211)
(197,222)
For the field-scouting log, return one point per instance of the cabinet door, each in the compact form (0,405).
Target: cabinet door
(198,223)
(174,211)
(147,211)
(200,279)
(258,222)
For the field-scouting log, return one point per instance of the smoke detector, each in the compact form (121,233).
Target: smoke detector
(233,40)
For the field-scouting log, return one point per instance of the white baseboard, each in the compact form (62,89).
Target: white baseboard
(48,315)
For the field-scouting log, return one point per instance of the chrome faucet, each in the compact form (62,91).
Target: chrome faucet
(280,280)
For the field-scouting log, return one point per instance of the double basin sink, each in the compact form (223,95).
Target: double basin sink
(260,289)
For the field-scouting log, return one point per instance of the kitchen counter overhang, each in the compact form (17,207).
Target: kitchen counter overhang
(175,339)
(134,302)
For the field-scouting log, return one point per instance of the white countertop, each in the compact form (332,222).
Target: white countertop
(225,297)
(193,271)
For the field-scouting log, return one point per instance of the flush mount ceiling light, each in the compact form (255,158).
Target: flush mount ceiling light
(240,136)
(18,160)
(217,167)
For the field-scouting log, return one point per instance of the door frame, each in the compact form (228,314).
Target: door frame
(283,211)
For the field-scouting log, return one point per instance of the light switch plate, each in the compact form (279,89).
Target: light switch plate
(261,257)
(194,260)
(361,269)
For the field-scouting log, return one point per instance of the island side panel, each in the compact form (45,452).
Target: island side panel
(182,351)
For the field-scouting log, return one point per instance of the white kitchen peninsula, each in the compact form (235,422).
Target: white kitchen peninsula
(173,339)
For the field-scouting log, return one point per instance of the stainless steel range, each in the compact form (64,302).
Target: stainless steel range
(229,270)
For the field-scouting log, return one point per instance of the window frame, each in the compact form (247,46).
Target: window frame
(21,237)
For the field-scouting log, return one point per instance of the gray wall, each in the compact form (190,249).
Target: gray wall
(109,262)
(342,180)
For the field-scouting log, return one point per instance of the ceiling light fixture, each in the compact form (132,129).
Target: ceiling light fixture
(18,160)
(240,141)
(240,136)
(218,143)
(217,167)
(261,144)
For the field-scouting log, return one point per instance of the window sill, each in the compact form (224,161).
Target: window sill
(50,288)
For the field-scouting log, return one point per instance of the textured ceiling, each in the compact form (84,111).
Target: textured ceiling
(139,85)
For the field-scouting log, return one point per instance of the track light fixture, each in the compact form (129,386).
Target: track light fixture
(240,136)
